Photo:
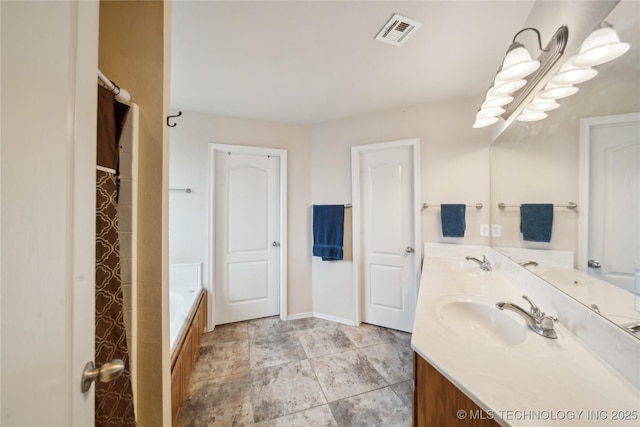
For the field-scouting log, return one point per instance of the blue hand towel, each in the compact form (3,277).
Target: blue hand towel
(328,231)
(536,221)
(453,221)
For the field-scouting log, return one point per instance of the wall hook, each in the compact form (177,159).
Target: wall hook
(175,124)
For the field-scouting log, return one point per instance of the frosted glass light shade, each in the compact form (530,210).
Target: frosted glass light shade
(555,91)
(540,104)
(602,45)
(517,64)
(502,88)
(490,112)
(491,102)
(484,122)
(531,116)
(572,74)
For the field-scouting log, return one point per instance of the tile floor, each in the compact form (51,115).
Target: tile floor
(305,372)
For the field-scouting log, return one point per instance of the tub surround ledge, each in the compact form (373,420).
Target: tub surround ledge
(587,376)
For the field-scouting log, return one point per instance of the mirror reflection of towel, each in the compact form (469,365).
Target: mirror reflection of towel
(453,221)
(328,231)
(536,221)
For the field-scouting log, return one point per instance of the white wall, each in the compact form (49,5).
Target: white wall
(188,212)
(538,162)
(455,169)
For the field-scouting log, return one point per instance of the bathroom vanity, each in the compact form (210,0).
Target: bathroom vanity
(184,357)
(478,365)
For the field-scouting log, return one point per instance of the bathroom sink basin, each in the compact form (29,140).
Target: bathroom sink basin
(481,322)
(456,266)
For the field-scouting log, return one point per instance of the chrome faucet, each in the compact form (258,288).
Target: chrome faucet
(527,263)
(484,264)
(537,320)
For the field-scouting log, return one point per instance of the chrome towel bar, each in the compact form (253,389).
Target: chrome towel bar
(569,205)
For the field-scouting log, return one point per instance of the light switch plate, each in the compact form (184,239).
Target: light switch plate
(496,230)
(484,230)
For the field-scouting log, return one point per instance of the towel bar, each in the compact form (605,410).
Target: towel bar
(569,205)
(186,190)
(346,206)
(425,206)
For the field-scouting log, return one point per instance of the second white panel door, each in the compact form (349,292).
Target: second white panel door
(387,200)
(247,212)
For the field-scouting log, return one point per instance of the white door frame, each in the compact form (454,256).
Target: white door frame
(211,247)
(584,162)
(356,154)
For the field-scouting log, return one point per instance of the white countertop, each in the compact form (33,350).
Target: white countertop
(523,379)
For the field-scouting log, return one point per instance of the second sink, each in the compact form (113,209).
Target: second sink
(481,322)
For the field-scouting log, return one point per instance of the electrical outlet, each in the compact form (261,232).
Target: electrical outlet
(484,230)
(496,230)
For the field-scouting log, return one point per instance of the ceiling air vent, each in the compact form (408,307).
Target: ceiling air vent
(397,30)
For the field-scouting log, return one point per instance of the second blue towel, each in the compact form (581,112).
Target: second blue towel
(536,221)
(452,217)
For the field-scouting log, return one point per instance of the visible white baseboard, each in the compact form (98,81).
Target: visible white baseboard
(299,316)
(349,322)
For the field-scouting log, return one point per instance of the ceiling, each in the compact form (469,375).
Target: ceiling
(309,62)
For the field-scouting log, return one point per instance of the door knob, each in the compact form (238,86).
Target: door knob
(408,249)
(592,263)
(275,244)
(105,373)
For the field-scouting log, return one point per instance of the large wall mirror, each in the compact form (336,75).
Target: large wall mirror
(585,152)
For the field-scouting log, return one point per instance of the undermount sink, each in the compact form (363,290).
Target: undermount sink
(458,266)
(481,322)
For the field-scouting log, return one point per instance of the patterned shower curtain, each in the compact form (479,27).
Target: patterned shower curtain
(113,400)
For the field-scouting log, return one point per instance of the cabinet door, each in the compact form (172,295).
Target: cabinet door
(176,389)
(437,402)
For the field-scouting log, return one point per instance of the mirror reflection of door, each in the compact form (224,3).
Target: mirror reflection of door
(614,198)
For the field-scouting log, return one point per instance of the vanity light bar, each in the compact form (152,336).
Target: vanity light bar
(548,57)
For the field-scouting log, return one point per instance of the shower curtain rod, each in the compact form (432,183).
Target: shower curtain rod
(121,94)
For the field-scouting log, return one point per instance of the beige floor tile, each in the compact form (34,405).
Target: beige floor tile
(284,389)
(346,374)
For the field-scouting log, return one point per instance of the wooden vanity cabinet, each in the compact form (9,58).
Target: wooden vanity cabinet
(184,358)
(437,402)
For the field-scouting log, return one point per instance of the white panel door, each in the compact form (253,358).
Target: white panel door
(48,144)
(614,200)
(387,212)
(247,207)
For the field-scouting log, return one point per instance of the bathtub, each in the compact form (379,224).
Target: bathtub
(185,287)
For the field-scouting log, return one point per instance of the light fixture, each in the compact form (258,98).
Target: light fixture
(502,88)
(518,62)
(556,91)
(510,87)
(602,45)
(496,102)
(531,116)
(490,112)
(541,104)
(483,122)
(570,73)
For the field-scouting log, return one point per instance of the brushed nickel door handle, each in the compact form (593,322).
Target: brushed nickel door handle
(592,263)
(409,249)
(275,244)
(105,373)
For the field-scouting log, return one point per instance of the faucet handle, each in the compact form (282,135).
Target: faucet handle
(534,308)
(546,322)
